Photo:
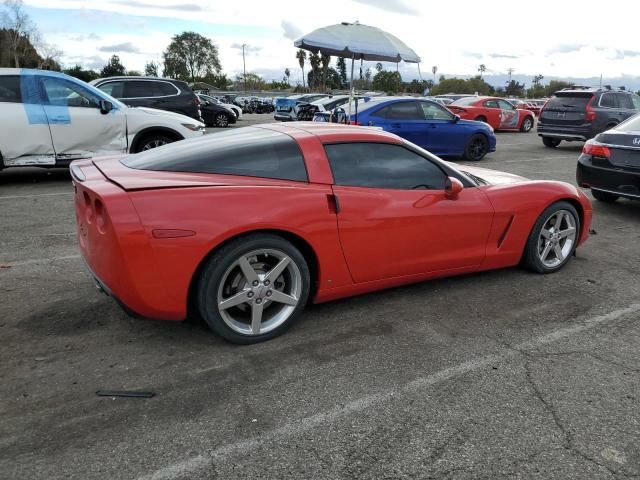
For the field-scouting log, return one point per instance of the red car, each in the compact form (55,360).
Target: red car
(497,112)
(244,227)
(530,105)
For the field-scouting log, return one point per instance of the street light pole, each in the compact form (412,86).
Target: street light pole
(244,70)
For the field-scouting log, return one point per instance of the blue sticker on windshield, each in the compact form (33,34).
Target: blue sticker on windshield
(56,110)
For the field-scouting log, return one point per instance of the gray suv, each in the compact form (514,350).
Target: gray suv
(580,113)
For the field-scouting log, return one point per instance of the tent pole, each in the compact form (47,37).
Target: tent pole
(353,56)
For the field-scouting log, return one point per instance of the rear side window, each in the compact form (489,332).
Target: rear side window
(249,151)
(624,101)
(115,89)
(163,89)
(608,100)
(405,111)
(138,89)
(380,165)
(10,89)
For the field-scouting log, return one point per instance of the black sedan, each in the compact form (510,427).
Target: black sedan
(610,163)
(215,115)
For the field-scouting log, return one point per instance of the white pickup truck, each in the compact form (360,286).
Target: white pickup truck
(48,119)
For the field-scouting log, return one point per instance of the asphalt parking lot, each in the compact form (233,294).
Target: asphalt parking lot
(504,374)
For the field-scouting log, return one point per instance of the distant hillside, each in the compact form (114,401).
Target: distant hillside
(27,55)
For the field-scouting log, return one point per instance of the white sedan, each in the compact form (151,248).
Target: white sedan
(49,119)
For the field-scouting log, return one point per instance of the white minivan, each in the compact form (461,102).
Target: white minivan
(48,119)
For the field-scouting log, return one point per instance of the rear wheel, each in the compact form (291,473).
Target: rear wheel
(152,140)
(477,147)
(481,118)
(553,239)
(604,196)
(527,125)
(550,142)
(253,288)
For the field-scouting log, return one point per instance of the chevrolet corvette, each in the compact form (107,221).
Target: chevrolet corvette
(244,228)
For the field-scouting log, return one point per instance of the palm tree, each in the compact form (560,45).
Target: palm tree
(301,55)
(482,69)
(326,60)
(434,69)
(287,74)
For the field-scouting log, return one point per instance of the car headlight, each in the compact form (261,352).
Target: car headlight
(192,126)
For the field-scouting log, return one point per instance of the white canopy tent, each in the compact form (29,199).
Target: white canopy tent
(357,42)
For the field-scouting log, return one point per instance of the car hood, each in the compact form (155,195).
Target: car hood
(163,113)
(490,177)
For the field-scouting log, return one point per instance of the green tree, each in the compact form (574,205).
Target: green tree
(301,55)
(253,81)
(190,56)
(218,80)
(418,86)
(20,33)
(342,70)
(287,74)
(81,73)
(315,75)
(460,85)
(554,86)
(387,81)
(113,68)
(482,68)
(151,69)
(514,89)
(325,59)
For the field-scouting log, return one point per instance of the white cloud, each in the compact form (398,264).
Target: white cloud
(563,48)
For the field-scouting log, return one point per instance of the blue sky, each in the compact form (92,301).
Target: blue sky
(556,40)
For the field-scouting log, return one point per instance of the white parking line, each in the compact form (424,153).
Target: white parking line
(35,195)
(39,260)
(183,468)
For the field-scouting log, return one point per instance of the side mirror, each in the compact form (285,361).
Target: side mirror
(456,118)
(452,188)
(105,106)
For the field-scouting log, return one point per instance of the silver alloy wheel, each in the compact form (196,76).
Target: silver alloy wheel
(222,120)
(557,238)
(527,124)
(259,291)
(153,144)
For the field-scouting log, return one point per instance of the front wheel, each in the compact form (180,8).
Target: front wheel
(477,147)
(527,125)
(221,120)
(553,239)
(550,142)
(481,118)
(253,288)
(150,141)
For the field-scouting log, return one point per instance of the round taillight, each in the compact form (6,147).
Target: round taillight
(88,207)
(101,216)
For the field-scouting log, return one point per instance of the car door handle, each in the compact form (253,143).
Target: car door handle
(395,125)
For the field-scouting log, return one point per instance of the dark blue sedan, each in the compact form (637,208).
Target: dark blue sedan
(428,125)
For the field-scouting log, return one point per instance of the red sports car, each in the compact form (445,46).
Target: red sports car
(245,227)
(497,112)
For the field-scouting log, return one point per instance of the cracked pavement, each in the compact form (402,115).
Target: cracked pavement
(498,375)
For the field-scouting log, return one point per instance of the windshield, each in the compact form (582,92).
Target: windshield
(631,125)
(575,102)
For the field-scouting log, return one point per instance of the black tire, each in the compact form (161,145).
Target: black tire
(530,258)
(481,118)
(477,147)
(221,120)
(152,140)
(604,196)
(527,125)
(214,272)
(550,142)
